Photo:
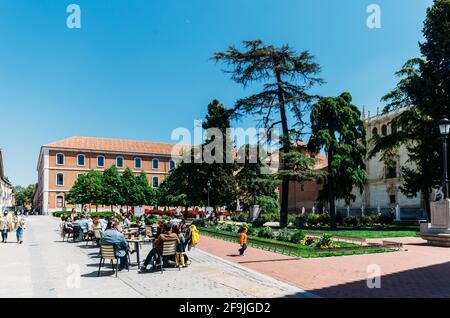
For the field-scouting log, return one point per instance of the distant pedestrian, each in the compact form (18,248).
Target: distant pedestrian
(243,241)
(4,227)
(19,222)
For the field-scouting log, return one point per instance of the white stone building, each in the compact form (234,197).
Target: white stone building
(382,191)
(6,195)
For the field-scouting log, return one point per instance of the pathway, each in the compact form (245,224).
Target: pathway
(417,271)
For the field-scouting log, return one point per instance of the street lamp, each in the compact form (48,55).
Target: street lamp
(444,129)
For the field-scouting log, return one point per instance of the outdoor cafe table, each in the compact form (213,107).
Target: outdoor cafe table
(136,242)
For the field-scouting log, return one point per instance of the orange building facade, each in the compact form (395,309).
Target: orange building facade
(62,162)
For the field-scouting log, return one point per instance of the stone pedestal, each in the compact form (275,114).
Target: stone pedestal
(438,231)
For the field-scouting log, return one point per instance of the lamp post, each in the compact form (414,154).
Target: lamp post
(444,129)
(208,184)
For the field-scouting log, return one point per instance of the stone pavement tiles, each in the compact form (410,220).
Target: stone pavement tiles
(43,266)
(417,271)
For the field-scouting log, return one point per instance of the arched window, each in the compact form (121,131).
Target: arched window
(60,159)
(60,179)
(384,130)
(172,164)
(375,132)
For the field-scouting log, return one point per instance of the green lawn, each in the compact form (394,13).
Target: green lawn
(368,232)
(295,249)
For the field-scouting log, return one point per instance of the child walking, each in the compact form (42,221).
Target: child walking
(243,241)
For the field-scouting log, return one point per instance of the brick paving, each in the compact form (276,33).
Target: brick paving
(417,271)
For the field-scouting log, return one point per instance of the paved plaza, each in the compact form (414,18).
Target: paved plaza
(417,271)
(43,266)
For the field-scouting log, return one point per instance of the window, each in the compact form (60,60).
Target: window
(392,199)
(155,163)
(137,163)
(375,132)
(59,179)
(302,188)
(384,130)
(119,162)
(60,159)
(155,182)
(100,161)
(81,160)
(60,201)
(172,164)
(391,171)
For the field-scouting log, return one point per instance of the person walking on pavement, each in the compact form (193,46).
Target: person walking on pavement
(19,222)
(243,241)
(4,227)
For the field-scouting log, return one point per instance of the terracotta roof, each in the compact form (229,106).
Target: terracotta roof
(116,145)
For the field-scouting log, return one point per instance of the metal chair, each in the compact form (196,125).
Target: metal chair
(107,251)
(169,248)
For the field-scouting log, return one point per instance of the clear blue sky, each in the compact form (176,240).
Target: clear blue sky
(137,69)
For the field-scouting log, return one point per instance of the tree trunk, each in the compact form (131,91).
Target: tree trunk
(331,195)
(286,145)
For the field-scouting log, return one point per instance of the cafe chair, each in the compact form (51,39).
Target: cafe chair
(169,248)
(107,252)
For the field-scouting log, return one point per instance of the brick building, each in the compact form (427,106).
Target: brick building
(61,162)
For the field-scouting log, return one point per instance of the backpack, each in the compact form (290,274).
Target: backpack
(195,238)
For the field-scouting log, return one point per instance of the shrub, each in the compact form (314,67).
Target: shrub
(150,220)
(271,217)
(297,236)
(239,217)
(307,241)
(323,219)
(265,232)
(283,235)
(312,219)
(351,221)
(324,241)
(385,219)
(292,217)
(250,229)
(199,222)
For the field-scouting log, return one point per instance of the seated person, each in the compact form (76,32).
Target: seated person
(178,230)
(115,237)
(77,230)
(167,235)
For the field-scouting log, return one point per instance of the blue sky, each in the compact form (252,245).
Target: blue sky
(137,69)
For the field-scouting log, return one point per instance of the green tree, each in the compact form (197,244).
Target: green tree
(337,127)
(88,189)
(255,186)
(130,192)
(423,95)
(24,196)
(287,76)
(147,195)
(111,185)
(218,171)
